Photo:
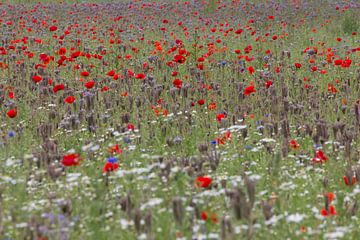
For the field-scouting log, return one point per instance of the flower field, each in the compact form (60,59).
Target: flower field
(179,120)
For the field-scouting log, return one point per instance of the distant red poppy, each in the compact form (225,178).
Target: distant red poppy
(109,167)
(328,212)
(251,70)
(70,99)
(89,84)
(11,95)
(85,74)
(203,182)
(319,157)
(36,78)
(179,59)
(349,182)
(220,116)
(249,89)
(268,83)
(11,113)
(298,65)
(177,83)
(53,28)
(72,159)
(140,76)
(111,73)
(58,87)
(201,102)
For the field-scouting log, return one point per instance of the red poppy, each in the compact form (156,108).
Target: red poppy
(349,182)
(111,73)
(314,68)
(179,59)
(69,99)
(11,113)
(58,87)
(201,102)
(11,95)
(298,65)
(140,76)
(36,78)
(109,167)
(89,84)
(53,28)
(177,83)
(203,182)
(331,211)
(72,159)
(239,31)
(220,116)
(115,149)
(105,88)
(203,216)
(249,89)
(251,70)
(319,157)
(268,83)
(131,127)
(294,144)
(85,74)
(212,106)
(338,62)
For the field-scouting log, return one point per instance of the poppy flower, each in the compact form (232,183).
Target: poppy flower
(72,159)
(268,84)
(338,62)
(319,157)
(89,84)
(349,182)
(111,73)
(201,102)
(36,78)
(220,116)
(53,28)
(179,59)
(84,73)
(11,95)
(58,87)
(203,182)
(249,89)
(203,216)
(140,76)
(239,31)
(328,212)
(110,166)
(177,83)
(251,70)
(105,88)
(11,113)
(115,149)
(298,65)
(314,68)
(131,127)
(69,99)
(294,144)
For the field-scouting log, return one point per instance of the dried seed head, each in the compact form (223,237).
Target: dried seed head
(137,220)
(178,210)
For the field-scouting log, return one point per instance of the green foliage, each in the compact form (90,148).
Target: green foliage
(350,23)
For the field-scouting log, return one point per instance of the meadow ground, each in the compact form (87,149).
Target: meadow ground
(179,120)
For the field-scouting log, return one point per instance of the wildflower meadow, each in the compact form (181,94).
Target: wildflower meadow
(179,119)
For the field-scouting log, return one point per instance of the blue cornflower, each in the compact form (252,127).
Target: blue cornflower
(11,133)
(112,159)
